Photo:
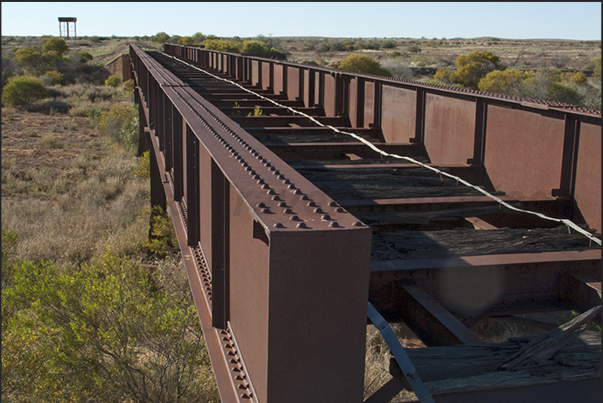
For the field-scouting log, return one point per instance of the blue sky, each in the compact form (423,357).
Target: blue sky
(514,20)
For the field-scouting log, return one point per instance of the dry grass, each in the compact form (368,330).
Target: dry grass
(377,359)
(67,192)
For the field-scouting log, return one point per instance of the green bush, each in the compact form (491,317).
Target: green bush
(162,236)
(254,46)
(222,45)
(161,37)
(578,78)
(129,85)
(565,93)
(55,45)
(54,76)
(142,168)
(388,44)
(28,56)
(506,82)
(113,81)
(86,57)
(23,90)
(363,64)
(473,66)
(186,40)
(109,331)
(121,123)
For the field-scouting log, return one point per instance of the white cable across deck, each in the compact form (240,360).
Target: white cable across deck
(568,223)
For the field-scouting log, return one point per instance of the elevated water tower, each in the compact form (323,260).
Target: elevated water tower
(64,27)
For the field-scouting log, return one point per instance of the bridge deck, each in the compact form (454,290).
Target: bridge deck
(439,249)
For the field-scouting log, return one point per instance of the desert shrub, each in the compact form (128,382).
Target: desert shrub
(142,168)
(444,77)
(9,242)
(473,66)
(198,37)
(23,90)
(507,82)
(85,57)
(161,37)
(107,331)
(113,81)
(129,85)
(562,92)
(56,106)
(29,55)
(186,40)
(389,44)
(595,65)
(222,45)
(162,236)
(338,46)
(359,63)
(121,123)
(254,46)
(395,53)
(414,49)
(54,76)
(398,69)
(54,44)
(578,78)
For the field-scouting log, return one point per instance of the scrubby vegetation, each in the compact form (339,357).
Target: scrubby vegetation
(21,90)
(93,309)
(108,331)
(359,63)
(483,71)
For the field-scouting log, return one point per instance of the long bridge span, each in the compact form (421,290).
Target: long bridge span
(310,202)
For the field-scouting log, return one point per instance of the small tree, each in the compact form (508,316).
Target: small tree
(444,76)
(85,57)
(28,55)
(473,66)
(186,40)
(161,37)
(565,93)
(54,44)
(22,90)
(398,69)
(113,81)
(198,37)
(54,77)
(507,82)
(254,46)
(359,63)
(222,45)
(578,78)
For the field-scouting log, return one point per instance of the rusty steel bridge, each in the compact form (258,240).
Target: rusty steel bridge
(310,202)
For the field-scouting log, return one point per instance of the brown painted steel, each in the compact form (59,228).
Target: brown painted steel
(281,272)
(588,391)
(274,215)
(485,285)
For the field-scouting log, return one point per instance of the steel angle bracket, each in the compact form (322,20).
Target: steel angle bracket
(408,369)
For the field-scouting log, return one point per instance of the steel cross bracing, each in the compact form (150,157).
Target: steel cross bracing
(274,215)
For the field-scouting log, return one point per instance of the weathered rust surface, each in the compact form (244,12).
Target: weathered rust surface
(398,118)
(281,271)
(524,151)
(265,290)
(587,190)
(449,129)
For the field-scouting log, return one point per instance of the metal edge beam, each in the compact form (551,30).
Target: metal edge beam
(433,323)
